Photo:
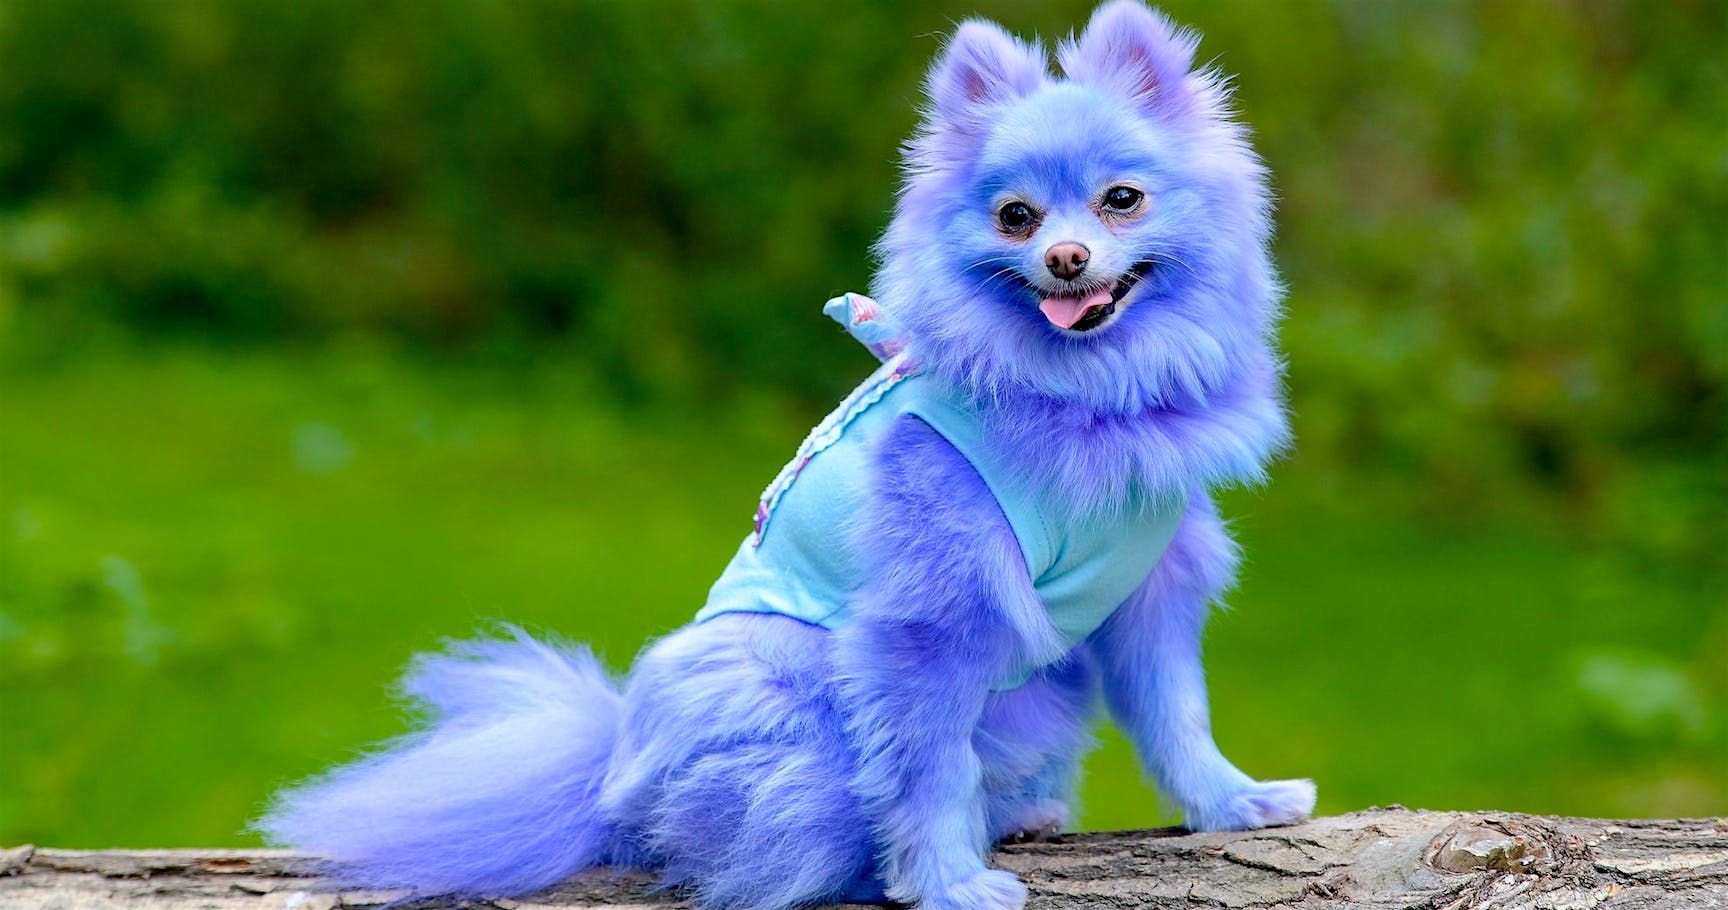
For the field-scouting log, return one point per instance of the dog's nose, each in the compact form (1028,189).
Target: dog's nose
(1066,260)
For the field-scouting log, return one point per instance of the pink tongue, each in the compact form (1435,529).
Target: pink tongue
(1065,311)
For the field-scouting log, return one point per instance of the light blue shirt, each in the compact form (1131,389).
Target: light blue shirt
(804,559)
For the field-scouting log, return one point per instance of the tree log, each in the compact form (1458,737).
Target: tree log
(1380,858)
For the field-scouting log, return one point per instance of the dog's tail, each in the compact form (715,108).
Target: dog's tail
(497,796)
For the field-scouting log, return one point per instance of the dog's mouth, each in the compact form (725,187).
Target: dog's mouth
(1085,312)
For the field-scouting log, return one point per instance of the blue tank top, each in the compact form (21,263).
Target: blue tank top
(803,560)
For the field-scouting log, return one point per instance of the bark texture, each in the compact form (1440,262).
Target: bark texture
(1381,858)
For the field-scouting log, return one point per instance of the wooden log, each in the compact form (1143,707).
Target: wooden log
(1380,858)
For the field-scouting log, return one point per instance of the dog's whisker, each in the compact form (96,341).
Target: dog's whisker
(1163,256)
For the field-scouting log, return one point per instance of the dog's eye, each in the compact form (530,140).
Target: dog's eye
(1015,217)
(1122,199)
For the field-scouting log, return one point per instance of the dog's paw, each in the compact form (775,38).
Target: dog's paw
(1261,804)
(1038,820)
(992,889)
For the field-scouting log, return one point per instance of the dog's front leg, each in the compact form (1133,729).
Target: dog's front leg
(949,610)
(1149,657)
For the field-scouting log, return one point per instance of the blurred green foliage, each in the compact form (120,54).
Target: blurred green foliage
(1503,224)
(328,329)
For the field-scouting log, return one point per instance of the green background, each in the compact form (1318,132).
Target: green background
(330,330)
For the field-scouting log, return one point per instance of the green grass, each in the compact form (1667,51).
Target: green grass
(211,567)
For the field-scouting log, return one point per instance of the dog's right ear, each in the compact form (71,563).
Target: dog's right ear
(982,67)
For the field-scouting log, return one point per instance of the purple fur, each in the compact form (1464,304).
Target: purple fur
(495,795)
(951,610)
(759,762)
(1148,656)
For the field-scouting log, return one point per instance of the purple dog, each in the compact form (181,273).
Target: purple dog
(900,666)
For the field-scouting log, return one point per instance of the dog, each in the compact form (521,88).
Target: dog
(1011,516)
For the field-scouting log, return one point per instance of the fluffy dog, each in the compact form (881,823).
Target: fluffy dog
(899,667)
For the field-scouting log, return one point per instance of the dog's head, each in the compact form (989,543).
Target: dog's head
(1099,238)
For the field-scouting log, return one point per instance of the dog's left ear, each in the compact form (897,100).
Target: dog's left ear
(1136,51)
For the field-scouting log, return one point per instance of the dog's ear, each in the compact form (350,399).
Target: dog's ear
(981,67)
(1136,51)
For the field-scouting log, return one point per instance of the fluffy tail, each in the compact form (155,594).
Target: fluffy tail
(496,796)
